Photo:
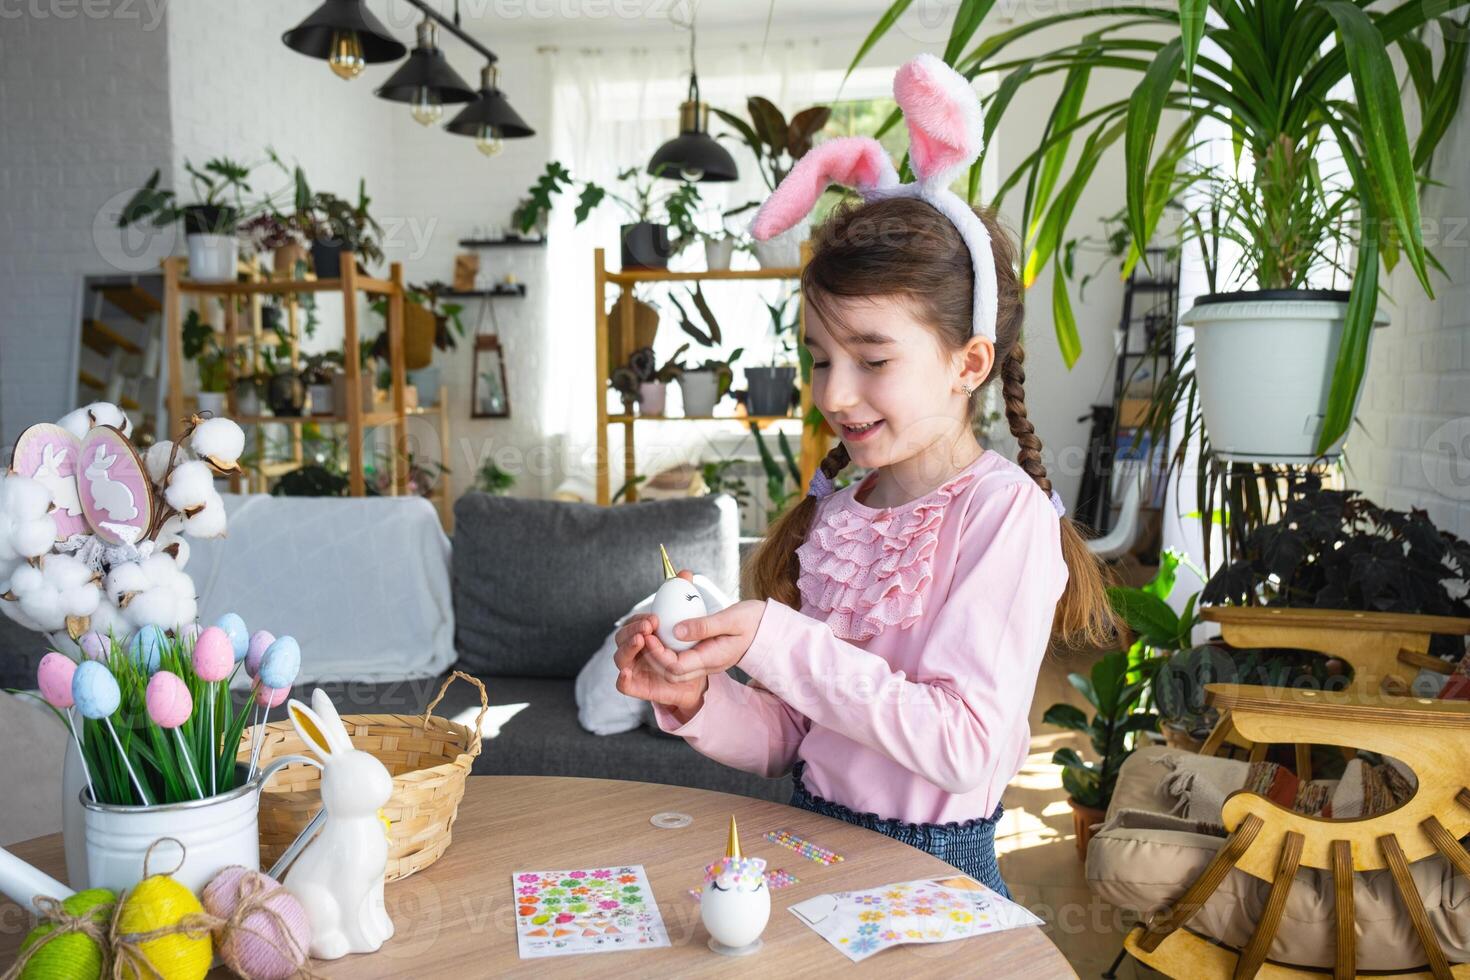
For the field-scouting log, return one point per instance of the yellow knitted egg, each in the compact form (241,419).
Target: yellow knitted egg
(73,956)
(156,903)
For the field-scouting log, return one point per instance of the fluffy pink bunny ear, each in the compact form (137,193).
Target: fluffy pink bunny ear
(946,130)
(859,162)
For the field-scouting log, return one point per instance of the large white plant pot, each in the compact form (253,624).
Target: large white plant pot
(1264,365)
(212,258)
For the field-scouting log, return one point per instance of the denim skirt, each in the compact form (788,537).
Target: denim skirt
(969,846)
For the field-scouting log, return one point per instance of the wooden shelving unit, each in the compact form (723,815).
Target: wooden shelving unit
(354,415)
(814,443)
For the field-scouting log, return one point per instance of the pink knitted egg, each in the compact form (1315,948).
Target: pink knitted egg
(53,677)
(260,641)
(214,655)
(169,701)
(268,698)
(270,943)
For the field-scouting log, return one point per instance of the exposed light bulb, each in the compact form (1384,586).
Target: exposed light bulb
(346,59)
(692,174)
(426,107)
(488,143)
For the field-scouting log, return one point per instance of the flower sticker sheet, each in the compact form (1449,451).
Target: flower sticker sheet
(590,910)
(861,923)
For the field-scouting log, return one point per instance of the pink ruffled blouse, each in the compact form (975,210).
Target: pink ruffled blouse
(905,680)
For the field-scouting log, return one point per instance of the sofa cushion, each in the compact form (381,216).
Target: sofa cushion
(1134,863)
(538,583)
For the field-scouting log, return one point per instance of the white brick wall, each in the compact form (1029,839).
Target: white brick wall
(1413,449)
(89,108)
(84,117)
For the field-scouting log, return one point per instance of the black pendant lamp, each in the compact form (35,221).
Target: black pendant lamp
(490,118)
(425,81)
(693,155)
(346,35)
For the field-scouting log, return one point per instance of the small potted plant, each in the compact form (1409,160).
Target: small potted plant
(248,389)
(719,249)
(278,236)
(210,222)
(319,372)
(705,384)
(1112,732)
(214,380)
(200,346)
(645,242)
(493,480)
(334,225)
(777,146)
(770,388)
(653,380)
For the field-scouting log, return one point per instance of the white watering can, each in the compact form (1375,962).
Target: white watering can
(106,845)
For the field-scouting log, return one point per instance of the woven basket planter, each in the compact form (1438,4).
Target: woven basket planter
(428,757)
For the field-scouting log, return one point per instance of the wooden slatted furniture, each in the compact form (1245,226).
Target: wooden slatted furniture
(1270,842)
(1385,651)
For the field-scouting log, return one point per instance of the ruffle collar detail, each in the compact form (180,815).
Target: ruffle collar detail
(866,569)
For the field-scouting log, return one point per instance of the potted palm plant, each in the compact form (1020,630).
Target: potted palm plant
(1275,87)
(777,145)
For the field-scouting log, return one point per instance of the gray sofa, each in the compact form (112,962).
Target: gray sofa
(537,585)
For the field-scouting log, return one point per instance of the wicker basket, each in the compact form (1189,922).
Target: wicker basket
(427,757)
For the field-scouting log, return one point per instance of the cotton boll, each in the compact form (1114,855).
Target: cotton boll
(108,620)
(62,587)
(189,487)
(153,592)
(156,607)
(175,545)
(97,413)
(209,521)
(220,441)
(25,497)
(26,529)
(124,580)
(155,461)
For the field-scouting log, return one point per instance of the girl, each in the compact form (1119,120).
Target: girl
(901,621)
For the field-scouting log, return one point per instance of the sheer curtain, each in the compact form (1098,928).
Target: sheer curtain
(611,108)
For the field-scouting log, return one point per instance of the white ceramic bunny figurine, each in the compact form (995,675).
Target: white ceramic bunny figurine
(339,877)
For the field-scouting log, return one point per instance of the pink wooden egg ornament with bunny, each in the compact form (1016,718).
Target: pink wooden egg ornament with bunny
(114,489)
(339,877)
(48,454)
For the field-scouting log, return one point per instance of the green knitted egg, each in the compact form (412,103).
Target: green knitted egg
(74,956)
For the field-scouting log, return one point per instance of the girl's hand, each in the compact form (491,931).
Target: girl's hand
(721,640)
(640,657)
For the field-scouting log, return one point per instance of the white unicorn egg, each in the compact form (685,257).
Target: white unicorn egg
(735,904)
(676,601)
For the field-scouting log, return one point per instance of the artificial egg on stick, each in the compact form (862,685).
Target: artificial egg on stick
(674,602)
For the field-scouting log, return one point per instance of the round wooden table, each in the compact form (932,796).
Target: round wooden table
(456,918)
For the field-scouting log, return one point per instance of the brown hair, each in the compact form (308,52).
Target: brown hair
(904,247)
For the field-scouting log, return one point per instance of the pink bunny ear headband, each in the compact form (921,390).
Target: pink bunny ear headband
(945,137)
